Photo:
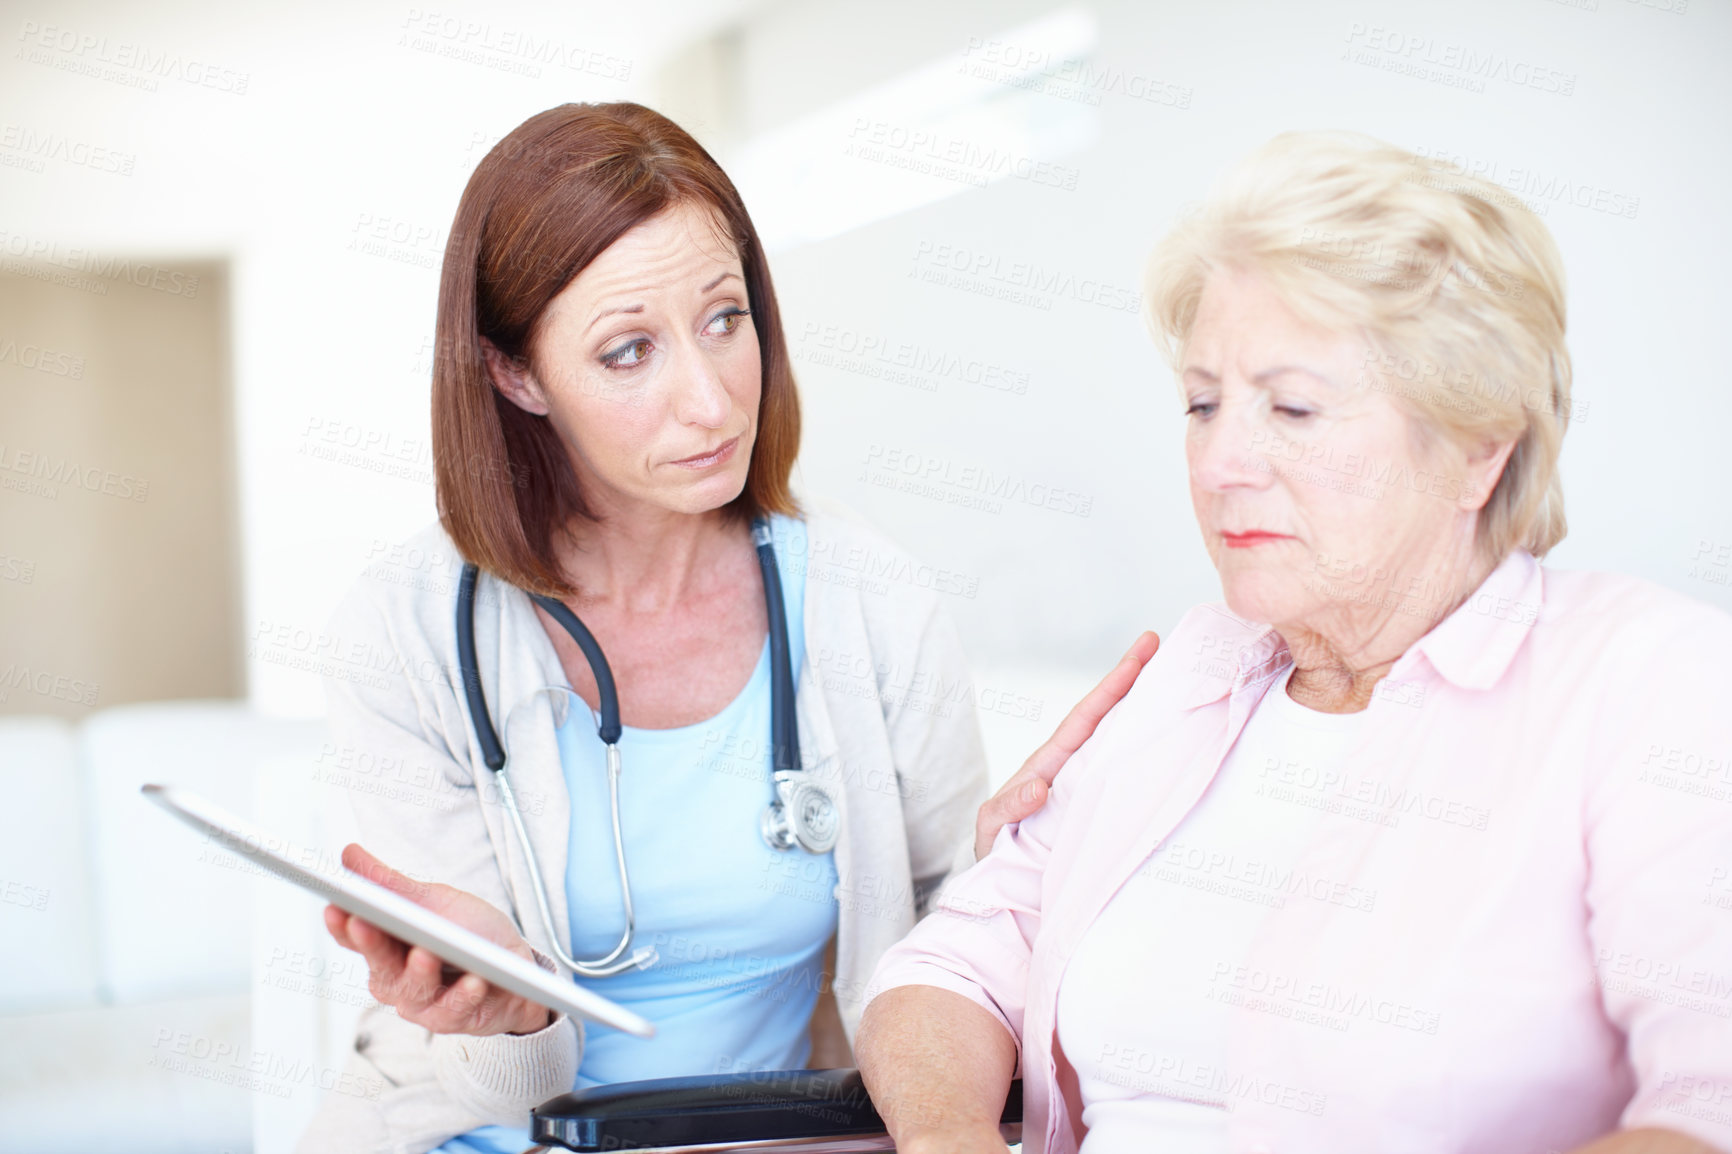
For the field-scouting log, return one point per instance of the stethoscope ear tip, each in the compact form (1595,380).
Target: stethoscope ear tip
(644,958)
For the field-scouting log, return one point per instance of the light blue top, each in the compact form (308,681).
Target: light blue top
(740,928)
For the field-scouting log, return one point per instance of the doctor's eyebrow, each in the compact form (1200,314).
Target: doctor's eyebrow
(638,308)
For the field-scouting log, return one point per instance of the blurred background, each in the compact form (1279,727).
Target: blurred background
(220,232)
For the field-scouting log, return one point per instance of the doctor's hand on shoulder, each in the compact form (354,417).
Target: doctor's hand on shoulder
(1026,790)
(423,988)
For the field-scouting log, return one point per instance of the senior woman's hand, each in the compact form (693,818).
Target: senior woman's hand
(1026,790)
(1647,1141)
(419,984)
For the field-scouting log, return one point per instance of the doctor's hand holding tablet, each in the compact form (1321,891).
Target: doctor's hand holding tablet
(422,987)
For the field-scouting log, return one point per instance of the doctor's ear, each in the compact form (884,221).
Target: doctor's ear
(513,378)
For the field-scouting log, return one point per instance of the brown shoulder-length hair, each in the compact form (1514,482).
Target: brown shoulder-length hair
(543,203)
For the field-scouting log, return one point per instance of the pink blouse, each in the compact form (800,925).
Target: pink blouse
(1540,801)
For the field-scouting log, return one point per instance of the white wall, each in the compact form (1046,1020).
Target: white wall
(1647,475)
(345,126)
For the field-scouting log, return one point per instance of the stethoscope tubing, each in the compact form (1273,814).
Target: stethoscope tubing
(494,755)
(784,728)
(785,741)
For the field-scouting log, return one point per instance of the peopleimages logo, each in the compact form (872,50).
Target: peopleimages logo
(1537,188)
(1065,76)
(122,61)
(42,474)
(950,157)
(143,274)
(884,358)
(39,147)
(1454,65)
(1016,281)
(45,683)
(505,49)
(43,360)
(974,486)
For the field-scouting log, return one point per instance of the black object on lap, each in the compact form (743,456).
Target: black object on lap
(798,1108)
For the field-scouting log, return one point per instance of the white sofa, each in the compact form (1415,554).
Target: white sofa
(125,939)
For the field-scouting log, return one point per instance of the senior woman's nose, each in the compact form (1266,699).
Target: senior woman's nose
(1224,451)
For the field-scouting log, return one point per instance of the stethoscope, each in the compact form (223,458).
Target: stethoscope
(802,811)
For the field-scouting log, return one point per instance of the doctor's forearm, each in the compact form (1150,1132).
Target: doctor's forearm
(937,1066)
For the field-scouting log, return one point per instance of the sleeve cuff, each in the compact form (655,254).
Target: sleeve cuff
(917,973)
(502,1077)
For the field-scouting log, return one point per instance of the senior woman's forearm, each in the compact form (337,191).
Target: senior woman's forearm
(1647,1142)
(938,1068)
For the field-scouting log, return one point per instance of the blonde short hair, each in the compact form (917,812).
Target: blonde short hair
(1456,287)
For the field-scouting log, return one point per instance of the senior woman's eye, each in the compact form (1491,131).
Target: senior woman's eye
(724,323)
(628,355)
(1292,411)
(1200,409)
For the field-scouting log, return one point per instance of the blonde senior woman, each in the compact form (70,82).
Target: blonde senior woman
(1397,850)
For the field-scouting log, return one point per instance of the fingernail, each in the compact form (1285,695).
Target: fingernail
(1028,793)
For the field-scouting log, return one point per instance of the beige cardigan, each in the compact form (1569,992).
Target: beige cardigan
(885,707)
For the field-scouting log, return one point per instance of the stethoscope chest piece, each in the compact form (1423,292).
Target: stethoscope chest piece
(804,814)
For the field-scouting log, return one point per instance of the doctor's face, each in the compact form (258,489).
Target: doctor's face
(647,365)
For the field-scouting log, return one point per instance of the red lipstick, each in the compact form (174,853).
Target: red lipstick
(1252,537)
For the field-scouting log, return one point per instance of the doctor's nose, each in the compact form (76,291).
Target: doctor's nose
(701,398)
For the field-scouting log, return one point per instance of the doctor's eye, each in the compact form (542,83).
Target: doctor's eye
(725,323)
(629,355)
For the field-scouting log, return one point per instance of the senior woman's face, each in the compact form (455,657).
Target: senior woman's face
(1316,495)
(648,366)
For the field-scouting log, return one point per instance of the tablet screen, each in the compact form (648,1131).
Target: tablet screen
(396,914)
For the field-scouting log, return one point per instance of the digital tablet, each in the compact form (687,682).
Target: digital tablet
(396,914)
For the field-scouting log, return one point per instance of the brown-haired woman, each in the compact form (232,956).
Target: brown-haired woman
(613,415)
